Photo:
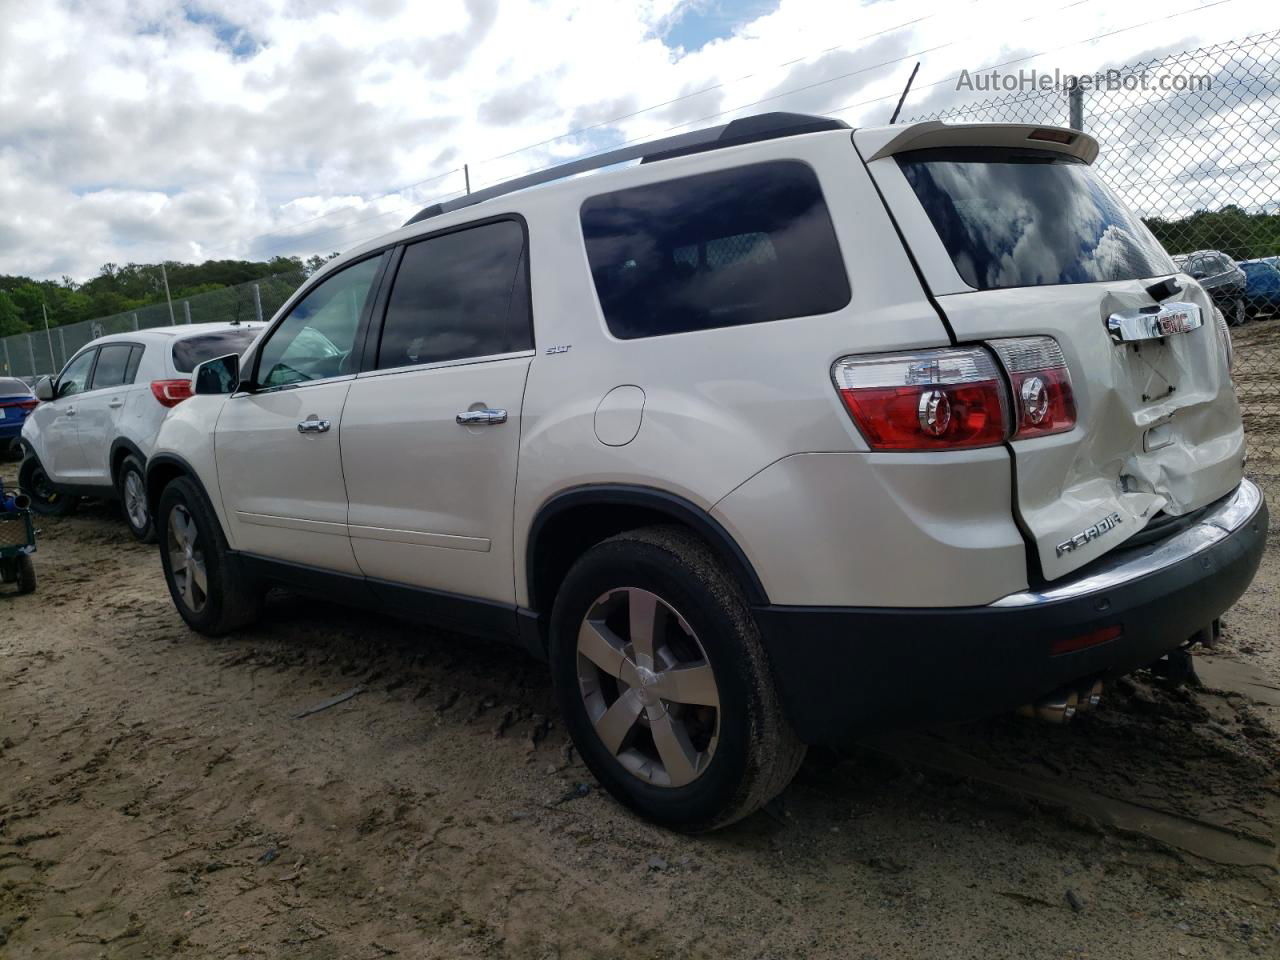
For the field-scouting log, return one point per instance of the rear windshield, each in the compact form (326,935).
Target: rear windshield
(1023,218)
(189,352)
(12,387)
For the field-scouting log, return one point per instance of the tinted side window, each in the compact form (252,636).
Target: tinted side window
(457,296)
(719,249)
(135,358)
(113,364)
(75,376)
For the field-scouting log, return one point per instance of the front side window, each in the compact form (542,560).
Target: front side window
(458,296)
(75,378)
(1017,218)
(315,341)
(113,366)
(745,245)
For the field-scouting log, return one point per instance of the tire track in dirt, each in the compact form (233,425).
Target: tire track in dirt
(159,797)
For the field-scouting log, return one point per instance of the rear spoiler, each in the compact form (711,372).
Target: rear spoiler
(877,142)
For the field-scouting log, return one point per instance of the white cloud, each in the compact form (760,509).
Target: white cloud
(142,129)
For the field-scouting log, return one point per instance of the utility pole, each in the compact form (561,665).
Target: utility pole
(165,276)
(53,361)
(466,173)
(1075,101)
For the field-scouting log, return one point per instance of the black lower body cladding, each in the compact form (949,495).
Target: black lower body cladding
(843,671)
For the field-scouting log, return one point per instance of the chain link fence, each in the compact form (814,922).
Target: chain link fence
(30,355)
(1191,142)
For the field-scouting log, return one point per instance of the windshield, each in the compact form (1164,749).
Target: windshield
(190,352)
(1019,218)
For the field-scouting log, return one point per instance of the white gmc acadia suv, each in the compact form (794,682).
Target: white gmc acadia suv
(97,420)
(784,434)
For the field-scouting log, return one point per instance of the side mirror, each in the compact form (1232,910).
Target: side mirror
(44,388)
(219,375)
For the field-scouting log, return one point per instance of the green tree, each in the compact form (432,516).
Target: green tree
(10,317)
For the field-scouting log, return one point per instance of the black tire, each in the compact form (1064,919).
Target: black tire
(131,485)
(755,752)
(1237,313)
(26,574)
(45,500)
(230,600)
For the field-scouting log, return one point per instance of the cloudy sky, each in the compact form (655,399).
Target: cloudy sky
(139,130)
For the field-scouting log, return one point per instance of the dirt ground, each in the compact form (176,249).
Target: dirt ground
(163,795)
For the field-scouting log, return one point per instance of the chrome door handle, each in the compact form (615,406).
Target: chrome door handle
(313,425)
(488,417)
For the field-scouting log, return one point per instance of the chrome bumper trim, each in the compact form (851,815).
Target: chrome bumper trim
(1231,515)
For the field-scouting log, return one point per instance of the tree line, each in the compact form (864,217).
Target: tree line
(119,289)
(1236,232)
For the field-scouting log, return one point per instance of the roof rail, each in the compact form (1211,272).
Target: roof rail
(764,126)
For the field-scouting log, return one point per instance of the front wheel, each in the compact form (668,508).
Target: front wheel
(45,499)
(664,684)
(205,580)
(1238,313)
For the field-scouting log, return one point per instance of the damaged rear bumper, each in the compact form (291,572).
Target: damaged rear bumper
(845,671)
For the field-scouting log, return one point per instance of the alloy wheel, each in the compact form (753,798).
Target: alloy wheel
(186,559)
(648,687)
(135,500)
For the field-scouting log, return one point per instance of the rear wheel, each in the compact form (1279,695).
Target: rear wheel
(205,580)
(132,487)
(664,685)
(45,499)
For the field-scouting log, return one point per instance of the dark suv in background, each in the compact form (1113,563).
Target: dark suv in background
(1221,279)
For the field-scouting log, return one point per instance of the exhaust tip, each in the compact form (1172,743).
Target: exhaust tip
(1056,708)
(1089,696)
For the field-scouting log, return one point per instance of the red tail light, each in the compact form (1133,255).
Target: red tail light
(924,400)
(170,393)
(1042,399)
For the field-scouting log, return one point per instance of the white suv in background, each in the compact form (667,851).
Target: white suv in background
(786,434)
(94,429)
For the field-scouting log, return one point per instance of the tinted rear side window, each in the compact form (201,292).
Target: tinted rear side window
(1020,218)
(458,296)
(189,352)
(135,358)
(113,365)
(722,249)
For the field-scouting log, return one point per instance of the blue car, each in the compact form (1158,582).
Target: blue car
(16,402)
(1262,285)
